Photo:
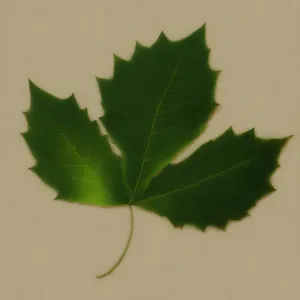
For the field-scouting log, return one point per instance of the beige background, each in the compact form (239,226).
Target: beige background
(53,250)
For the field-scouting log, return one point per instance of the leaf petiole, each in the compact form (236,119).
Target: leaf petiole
(113,268)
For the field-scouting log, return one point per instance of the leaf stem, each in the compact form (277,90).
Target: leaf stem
(125,249)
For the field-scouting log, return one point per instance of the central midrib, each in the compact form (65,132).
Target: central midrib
(205,179)
(152,126)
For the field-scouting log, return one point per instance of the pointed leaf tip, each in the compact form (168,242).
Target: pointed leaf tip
(217,73)
(201,31)
(30,82)
(223,227)
(230,130)
(117,58)
(58,197)
(288,138)
(26,114)
(162,37)
(33,86)
(138,45)
(23,134)
(251,132)
(283,142)
(272,189)
(204,28)
(228,133)
(32,169)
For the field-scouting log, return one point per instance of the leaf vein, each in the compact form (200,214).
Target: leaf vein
(153,123)
(208,178)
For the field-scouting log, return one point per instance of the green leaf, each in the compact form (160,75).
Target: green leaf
(220,182)
(157,103)
(72,157)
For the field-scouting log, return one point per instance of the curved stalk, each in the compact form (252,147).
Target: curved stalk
(125,249)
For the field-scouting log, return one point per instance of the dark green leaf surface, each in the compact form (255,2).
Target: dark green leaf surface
(157,103)
(72,157)
(220,182)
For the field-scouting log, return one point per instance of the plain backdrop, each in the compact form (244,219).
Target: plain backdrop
(53,250)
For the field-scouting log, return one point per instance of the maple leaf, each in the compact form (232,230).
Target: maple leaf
(155,105)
